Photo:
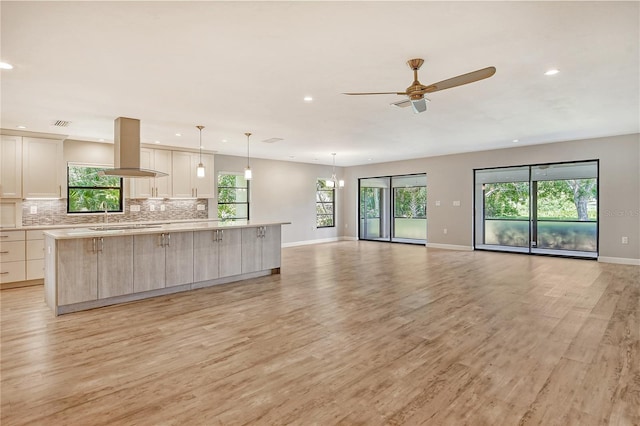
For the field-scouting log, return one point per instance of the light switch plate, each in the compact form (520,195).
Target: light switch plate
(134,208)
(33,210)
(152,207)
(200,207)
(438,203)
(162,207)
(456,203)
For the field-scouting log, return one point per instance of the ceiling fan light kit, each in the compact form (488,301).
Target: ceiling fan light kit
(416,91)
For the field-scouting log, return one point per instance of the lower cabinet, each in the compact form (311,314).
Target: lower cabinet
(217,254)
(261,248)
(94,268)
(162,260)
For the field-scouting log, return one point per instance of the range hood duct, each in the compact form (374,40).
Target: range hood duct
(126,150)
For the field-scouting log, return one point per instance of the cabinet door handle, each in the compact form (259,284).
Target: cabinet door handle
(3,273)
(93,243)
(168,240)
(162,240)
(101,244)
(196,192)
(60,191)
(4,252)
(221,235)
(4,236)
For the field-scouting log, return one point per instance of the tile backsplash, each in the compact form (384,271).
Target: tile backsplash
(54,212)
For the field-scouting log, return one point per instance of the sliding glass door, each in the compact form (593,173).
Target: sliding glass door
(544,209)
(393,208)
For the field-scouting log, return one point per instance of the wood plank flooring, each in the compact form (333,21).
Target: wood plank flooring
(351,333)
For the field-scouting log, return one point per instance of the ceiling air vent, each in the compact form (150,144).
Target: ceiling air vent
(272,140)
(61,123)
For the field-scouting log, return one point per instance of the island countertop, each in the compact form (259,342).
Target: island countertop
(119,229)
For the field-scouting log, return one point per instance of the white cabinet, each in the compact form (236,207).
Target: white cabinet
(35,255)
(162,260)
(94,268)
(12,250)
(160,187)
(42,168)
(261,248)
(11,167)
(217,254)
(185,183)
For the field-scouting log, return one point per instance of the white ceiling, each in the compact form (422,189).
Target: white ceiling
(246,66)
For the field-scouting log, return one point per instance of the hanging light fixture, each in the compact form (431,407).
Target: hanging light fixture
(247,171)
(200,169)
(333,182)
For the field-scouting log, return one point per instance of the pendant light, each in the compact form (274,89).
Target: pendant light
(200,169)
(247,171)
(333,182)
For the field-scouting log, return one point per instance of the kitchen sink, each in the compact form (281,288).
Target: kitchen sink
(123,227)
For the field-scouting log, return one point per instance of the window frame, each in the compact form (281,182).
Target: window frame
(218,203)
(332,190)
(70,187)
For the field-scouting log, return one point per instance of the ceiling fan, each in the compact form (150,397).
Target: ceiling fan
(416,91)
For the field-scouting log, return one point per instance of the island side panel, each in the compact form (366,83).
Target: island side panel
(50,283)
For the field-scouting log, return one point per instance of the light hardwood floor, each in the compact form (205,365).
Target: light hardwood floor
(350,333)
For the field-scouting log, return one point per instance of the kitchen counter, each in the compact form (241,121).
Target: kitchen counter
(89,268)
(94,224)
(141,228)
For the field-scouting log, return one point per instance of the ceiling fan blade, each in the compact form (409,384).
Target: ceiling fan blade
(459,80)
(419,105)
(377,93)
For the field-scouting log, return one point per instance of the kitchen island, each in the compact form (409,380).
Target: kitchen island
(88,268)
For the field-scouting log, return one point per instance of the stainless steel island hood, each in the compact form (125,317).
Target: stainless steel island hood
(126,150)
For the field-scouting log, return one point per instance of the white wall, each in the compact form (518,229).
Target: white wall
(450,178)
(285,191)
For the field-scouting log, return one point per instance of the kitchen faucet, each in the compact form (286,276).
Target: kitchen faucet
(104,206)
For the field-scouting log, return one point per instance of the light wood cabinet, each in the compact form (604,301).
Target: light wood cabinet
(42,168)
(160,187)
(35,255)
(260,248)
(162,260)
(217,254)
(94,268)
(11,167)
(185,183)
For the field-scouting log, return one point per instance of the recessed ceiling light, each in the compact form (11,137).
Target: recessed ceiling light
(21,127)
(224,141)
(100,140)
(6,66)
(156,141)
(552,71)
(369,159)
(308,99)
(178,134)
(515,140)
(292,156)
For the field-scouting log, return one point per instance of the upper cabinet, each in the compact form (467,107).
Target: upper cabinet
(11,167)
(160,187)
(42,168)
(185,182)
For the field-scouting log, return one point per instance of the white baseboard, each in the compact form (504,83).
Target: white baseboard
(449,247)
(308,242)
(619,260)
(348,238)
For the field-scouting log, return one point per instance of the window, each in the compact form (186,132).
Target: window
(325,205)
(233,197)
(90,193)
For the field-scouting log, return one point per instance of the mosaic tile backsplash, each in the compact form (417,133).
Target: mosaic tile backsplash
(54,212)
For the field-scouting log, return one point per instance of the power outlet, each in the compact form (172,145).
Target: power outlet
(152,207)
(456,204)
(200,207)
(33,210)
(437,203)
(445,230)
(134,208)
(625,240)
(162,207)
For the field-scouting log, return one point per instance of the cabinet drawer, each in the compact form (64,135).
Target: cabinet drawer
(35,249)
(11,251)
(35,269)
(6,236)
(35,235)
(12,271)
